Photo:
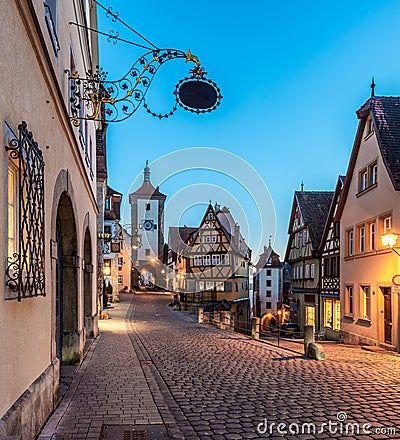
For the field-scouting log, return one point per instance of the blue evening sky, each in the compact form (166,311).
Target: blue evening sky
(292,75)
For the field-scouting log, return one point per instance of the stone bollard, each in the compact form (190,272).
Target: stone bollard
(200,316)
(255,328)
(224,316)
(308,337)
(316,351)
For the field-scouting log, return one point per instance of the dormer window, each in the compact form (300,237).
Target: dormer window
(369,127)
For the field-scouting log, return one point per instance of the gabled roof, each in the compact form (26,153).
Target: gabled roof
(114,213)
(385,112)
(331,214)
(268,253)
(232,229)
(314,207)
(228,226)
(178,236)
(112,192)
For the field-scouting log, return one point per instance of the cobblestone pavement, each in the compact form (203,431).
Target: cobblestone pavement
(205,383)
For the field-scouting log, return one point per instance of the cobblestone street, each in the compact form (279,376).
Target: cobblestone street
(160,367)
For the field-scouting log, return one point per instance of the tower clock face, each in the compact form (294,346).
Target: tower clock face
(148,225)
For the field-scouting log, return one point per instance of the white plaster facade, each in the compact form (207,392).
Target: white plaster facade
(34,88)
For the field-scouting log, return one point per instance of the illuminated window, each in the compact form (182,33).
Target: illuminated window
(328,313)
(219,287)
(209,285)
(12,208)
(107,268)
(120,279)
(310,315)
(387,224)
(336,320)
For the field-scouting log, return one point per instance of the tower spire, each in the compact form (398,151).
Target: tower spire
(302,186)
(146,172)
(373,87)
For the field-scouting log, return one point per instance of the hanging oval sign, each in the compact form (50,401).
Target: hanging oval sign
(198,95)
(396,280)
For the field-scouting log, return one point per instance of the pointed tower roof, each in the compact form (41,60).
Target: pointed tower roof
(147,190)
(263,260)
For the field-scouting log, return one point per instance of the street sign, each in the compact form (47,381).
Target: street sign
(396,280)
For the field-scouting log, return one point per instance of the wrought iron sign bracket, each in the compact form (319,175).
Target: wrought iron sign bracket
(93,97)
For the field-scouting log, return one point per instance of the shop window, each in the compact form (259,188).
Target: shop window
(328,313)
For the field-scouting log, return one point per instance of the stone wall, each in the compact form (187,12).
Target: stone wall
(24,420)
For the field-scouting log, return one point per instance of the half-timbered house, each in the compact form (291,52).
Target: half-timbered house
(307,222)
(330,265)
(217,265)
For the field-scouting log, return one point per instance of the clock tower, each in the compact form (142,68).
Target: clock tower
(147,219)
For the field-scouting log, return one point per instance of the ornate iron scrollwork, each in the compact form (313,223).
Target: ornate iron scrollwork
(123,97)
(25,275)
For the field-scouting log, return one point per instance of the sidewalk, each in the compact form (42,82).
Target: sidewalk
(109,389)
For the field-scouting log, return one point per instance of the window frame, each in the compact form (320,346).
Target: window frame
(361,235)
(372,236)
(365,302)
(207,260)
(349,300)
(216,259)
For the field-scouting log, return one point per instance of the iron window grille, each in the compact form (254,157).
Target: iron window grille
(25,275)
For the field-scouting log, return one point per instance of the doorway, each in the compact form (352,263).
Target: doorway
(387,314)
(67,332)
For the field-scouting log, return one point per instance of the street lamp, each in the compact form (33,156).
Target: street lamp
(279,324)
(389,241)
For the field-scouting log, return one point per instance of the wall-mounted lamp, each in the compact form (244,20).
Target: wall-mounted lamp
(107,268)
(389,241)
